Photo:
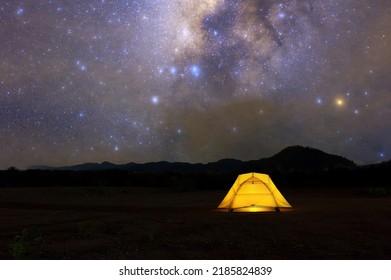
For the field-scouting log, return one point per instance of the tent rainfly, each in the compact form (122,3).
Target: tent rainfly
(254,192)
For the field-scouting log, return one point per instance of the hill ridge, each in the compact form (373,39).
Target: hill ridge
(296,157)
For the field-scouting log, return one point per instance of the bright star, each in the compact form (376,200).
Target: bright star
(173,70)
(195,70)
(339,102)
(281,15)
(155,100)
(81,66)
(20,11)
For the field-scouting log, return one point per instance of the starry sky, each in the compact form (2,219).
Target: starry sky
(192,80)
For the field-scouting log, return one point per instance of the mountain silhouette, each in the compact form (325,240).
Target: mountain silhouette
(300,158)
(293,158)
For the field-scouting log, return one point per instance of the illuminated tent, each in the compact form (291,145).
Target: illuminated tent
(254,192)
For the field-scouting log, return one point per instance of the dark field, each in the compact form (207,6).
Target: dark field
(148,223)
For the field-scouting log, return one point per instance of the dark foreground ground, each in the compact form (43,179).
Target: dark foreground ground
(147,223)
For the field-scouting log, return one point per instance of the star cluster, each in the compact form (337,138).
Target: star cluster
(197,80)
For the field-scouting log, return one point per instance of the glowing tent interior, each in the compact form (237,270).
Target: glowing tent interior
(254,192)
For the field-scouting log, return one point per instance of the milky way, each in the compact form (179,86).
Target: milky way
(197,81)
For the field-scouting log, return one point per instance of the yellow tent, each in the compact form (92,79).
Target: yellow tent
(254,192)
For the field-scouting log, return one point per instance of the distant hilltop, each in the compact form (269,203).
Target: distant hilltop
(294,166)
(293,158)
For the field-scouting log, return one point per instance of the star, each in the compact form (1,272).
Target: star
(339,102)
(173,70)
(281,15)
(195,71)
(20,11)
(155,100)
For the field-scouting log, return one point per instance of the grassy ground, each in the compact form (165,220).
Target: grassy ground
(147,223)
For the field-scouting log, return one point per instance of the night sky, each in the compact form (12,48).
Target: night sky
(196,81)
